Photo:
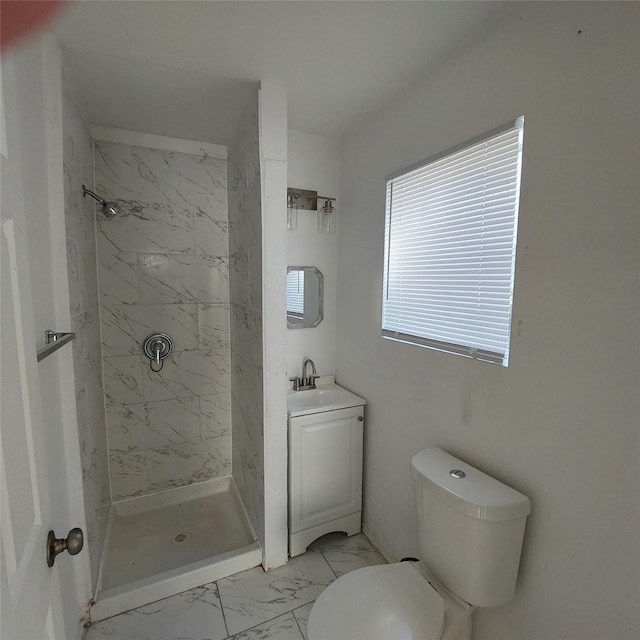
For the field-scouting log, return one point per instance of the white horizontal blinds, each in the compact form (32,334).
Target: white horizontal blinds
(295,292)
(450,248)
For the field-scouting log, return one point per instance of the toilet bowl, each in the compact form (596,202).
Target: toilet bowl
(398,601)
(470,532)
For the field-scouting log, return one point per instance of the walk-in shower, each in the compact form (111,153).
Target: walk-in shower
(180,513)
(171,439)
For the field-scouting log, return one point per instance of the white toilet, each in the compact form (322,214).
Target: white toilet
(470,529)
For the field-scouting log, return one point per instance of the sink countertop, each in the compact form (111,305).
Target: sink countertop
(325,397)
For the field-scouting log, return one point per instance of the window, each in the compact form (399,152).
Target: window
(295,293)
(450,241)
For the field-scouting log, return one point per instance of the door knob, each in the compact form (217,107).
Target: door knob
(72,543)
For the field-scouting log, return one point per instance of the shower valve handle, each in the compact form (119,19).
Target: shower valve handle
(157,347)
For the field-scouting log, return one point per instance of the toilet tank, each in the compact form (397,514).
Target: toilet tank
(470,527)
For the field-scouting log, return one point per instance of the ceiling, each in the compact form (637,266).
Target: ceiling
(188,69)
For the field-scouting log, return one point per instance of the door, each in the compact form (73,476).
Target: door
(326,467)
(34,607)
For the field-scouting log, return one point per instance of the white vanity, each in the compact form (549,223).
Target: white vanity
(325,464)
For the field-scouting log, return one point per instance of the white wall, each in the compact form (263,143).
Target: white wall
(314,163)
(561,423)
(273,170)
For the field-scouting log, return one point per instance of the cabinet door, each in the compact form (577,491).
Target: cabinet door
(325,475)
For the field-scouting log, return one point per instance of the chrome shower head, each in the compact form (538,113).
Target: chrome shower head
(109,209)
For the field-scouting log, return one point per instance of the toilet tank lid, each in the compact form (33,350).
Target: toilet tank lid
(476,494)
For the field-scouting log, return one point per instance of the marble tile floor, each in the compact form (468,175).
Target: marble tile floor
(251,605)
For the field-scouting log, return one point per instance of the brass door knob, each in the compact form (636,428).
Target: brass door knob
(73,543)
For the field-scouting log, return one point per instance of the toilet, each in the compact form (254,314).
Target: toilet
(470,529)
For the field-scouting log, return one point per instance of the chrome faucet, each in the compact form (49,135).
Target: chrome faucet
(306,382)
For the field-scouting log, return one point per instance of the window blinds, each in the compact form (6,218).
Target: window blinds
(295,292)
(450,238)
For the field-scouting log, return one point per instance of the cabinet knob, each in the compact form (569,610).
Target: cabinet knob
(360,418)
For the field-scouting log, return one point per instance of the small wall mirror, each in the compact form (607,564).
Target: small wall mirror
(305,293)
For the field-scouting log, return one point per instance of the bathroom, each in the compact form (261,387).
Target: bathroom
(559,424)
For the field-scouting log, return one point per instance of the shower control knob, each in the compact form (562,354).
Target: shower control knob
(73,543)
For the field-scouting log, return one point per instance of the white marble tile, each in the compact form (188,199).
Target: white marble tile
(179,178)
(239,276)
(123,380)
(97,503)
(88,277)
(73,274)
(127,471)
(247,387)
(114,171)
(302,617)
(192,615)
(248,474)
(253,597)
(151,228)
(77,145)
(80,214)
(153,425)
(125,327)
(211,235)
(255,277)
(215,415)
(345,554)
(281,628)
(87,359)
(118,274)
(184,464)
(214,325)
(182,278)
(188,373)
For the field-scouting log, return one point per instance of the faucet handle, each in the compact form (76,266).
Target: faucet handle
(296,382)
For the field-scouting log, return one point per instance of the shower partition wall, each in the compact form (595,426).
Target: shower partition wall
(80,223)
(245,255)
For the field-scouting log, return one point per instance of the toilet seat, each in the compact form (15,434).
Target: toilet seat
(378,603)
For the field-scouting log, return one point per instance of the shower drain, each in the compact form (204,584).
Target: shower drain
(180,537)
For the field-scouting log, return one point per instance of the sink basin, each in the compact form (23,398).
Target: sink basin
(323,398)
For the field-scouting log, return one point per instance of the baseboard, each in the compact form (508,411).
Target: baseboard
(389,556)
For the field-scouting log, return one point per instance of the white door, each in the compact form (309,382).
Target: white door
(33,607)
(325,473)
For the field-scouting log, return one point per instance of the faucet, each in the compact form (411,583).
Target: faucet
(306,382)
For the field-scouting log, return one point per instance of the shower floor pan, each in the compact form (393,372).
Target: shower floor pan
(169,542)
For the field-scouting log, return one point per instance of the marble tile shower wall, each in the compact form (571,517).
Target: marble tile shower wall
(163,266)
(245,248)
(80,217)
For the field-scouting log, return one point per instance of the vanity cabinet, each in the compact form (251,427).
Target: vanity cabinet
(325,475)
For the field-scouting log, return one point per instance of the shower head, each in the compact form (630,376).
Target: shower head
(109,209)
